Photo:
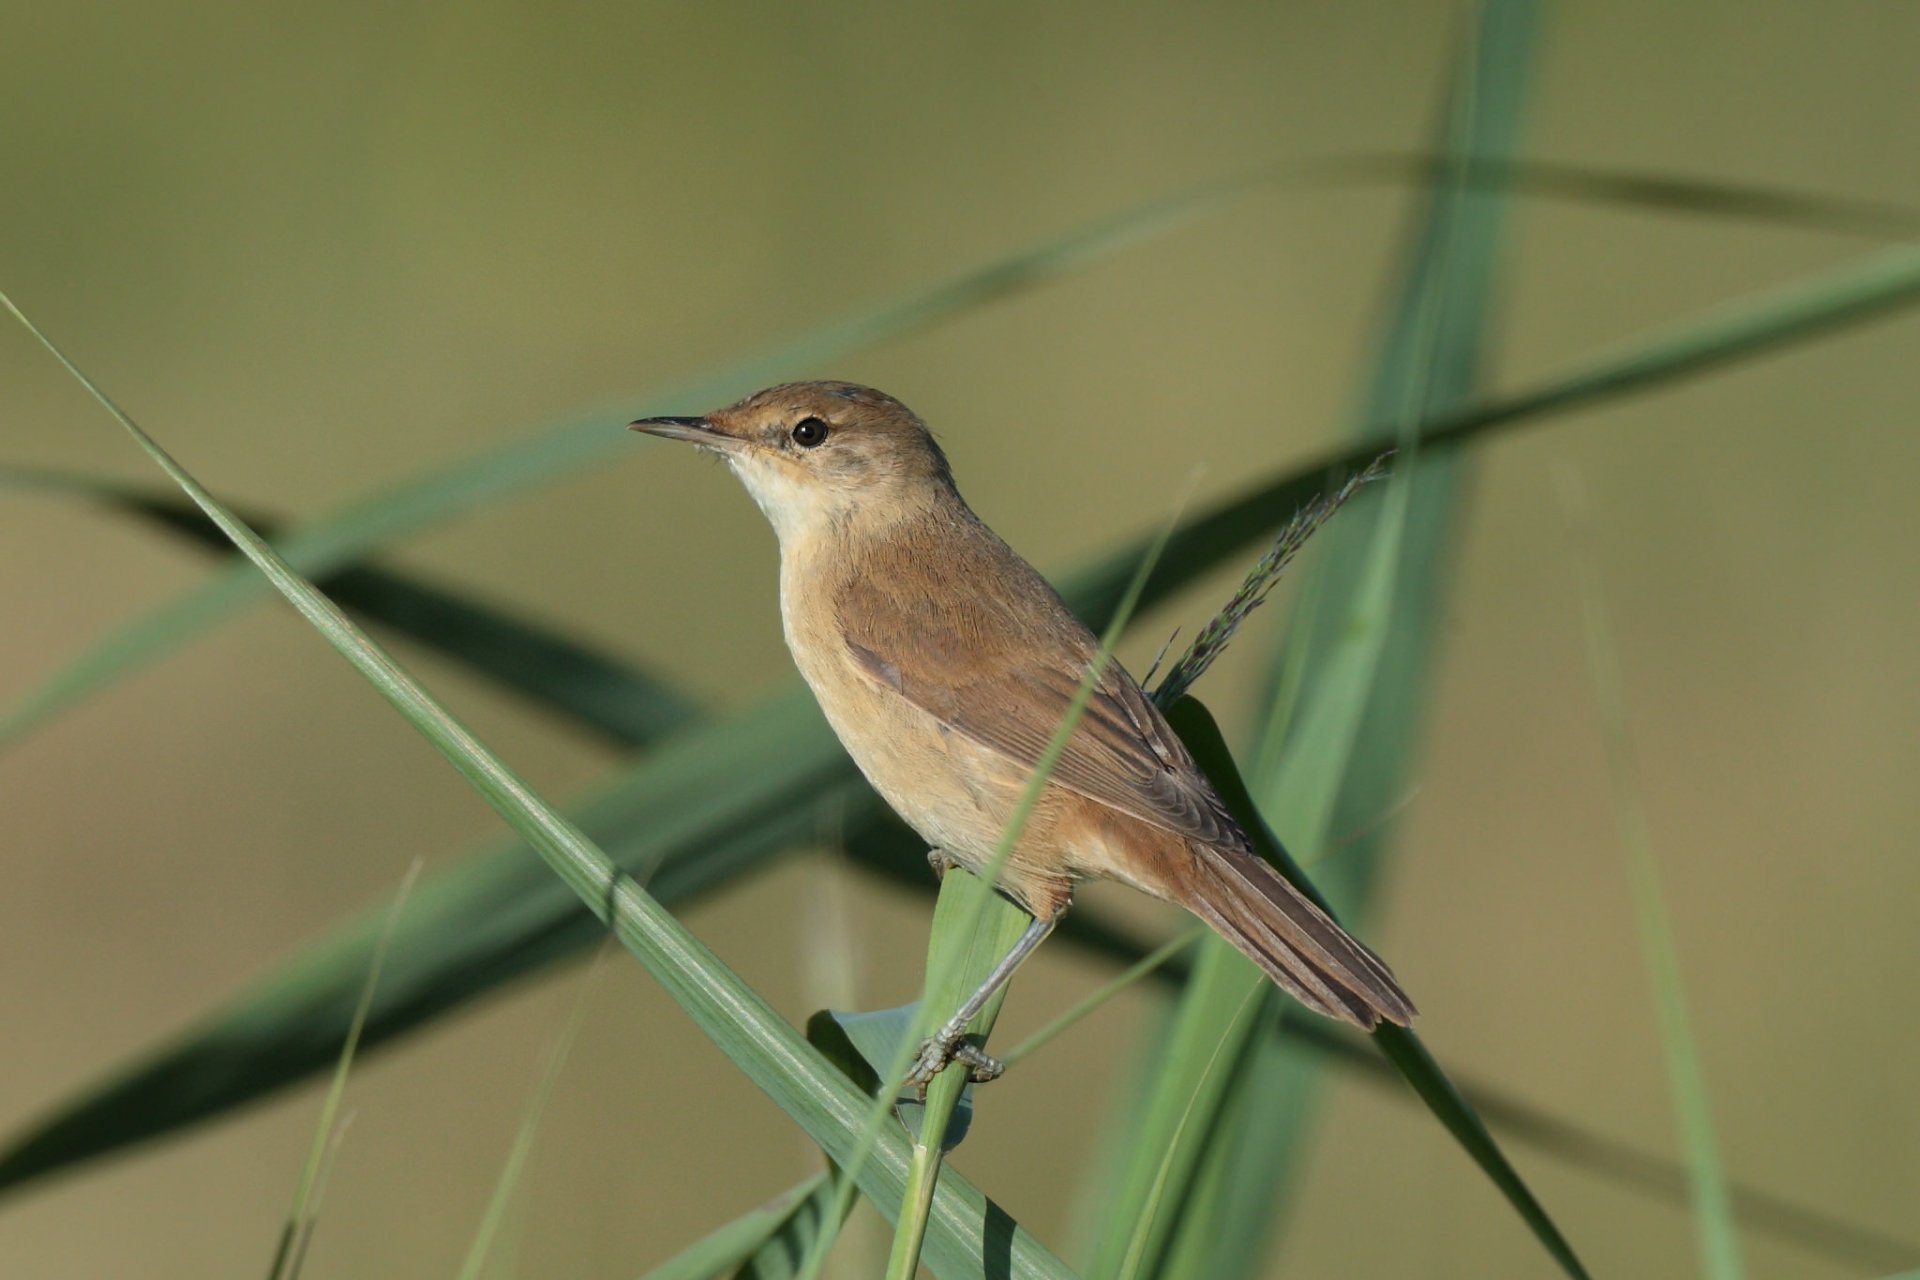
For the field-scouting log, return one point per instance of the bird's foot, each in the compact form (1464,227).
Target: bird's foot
(949,1044)
(942,862)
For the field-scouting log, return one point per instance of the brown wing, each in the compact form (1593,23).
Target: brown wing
(1000,660)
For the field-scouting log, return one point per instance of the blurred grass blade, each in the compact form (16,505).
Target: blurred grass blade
(1378,578)
(1804,310)
(497,917)
(516,1163)
(963,1226)
(1720,200)
(1401,1046)
(1300,1034)
(334,542)
(300,1218)
(1132,975)
(1142,1251)
(741,1247)
(342,538)
(1713,1221)
(615,700)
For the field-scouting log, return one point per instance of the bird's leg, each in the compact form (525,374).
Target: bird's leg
(942,862)
(945,1045)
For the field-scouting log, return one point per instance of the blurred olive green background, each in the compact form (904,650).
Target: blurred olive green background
(317,248)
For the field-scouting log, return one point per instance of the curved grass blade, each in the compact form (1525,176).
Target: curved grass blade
(1370,594)
(1401,1046)
(1634,188)
(616,700)
(493,922)
(1298,1033)
(963,1230)
(300,1218)
(341,539)
(761,1244)
(338,540)
(972,928)
(1718,1240)
(515,1165)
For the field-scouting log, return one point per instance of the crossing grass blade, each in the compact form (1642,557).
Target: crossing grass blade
(963,1227)
(495,918)
(1299,1034)
(761,1244)
(618,701)
(341,539)
(512,1170)
(1374,579)
(300,1218)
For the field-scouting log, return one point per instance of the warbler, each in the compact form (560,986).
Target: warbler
(946,663)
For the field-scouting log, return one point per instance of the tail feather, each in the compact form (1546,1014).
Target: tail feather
(1298,945)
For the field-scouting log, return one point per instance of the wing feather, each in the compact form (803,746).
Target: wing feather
(1008,690)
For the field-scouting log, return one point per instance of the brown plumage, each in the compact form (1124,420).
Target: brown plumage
(945,663)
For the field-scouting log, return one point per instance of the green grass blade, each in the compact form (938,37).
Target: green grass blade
(619,702)
(962,1226)
(759,1244)
(504,930)
(300,1216)
(1401,1046)
(1369,594)
(972,928)
(1134,973)
(1299,1034)
(515,1165)
(1636,189)
(1713,1218)
(340,539)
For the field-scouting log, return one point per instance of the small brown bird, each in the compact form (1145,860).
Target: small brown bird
(946,663)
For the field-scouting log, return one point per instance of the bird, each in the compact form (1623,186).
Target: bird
(945,663)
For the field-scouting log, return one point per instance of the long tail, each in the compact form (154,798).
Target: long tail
(1305,953)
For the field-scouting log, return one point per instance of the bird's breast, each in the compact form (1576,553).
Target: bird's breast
(946,787)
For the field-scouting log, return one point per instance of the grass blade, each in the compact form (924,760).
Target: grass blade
(1401,1046)
(493,922)
(1299,1034)
(1374,577)
(620,702)
(340,539)
(510,1171)
(761,1243)
(1713,1220)
(1636,189)
(292,1247)
(972,928)
(963,1224)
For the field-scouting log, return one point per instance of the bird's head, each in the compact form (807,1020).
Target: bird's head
(814,453)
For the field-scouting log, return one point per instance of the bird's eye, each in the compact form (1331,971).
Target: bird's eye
(809,432)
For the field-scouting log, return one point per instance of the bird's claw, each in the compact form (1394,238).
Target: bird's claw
(947,1046)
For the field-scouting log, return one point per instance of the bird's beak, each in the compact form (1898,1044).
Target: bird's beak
(693,430)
